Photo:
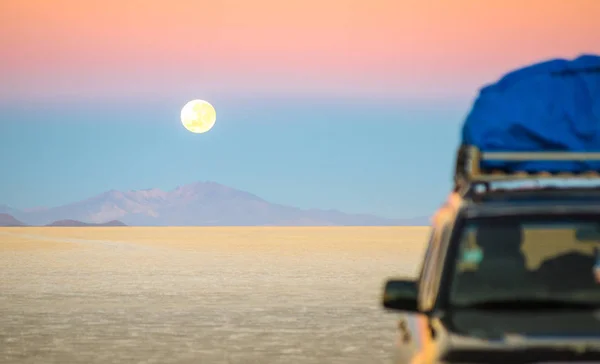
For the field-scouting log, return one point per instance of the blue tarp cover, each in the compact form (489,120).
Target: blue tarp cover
(549,106)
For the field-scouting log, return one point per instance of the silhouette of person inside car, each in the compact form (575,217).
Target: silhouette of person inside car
(569,271)
(502,264)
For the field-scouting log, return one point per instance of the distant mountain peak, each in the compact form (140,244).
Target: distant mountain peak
(5,209)
(208,190)
(108,194)
(7,220)
(151,193)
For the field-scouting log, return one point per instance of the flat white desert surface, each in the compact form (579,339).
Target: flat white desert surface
(201,295)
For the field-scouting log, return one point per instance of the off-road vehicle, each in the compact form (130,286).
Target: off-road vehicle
(511,272)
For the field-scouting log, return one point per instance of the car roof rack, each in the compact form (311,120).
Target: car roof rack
(470,179)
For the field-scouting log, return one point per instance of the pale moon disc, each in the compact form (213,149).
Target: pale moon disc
(198,116)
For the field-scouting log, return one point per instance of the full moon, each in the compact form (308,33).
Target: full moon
(198,116)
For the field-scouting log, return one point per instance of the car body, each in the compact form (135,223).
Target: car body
(541,312)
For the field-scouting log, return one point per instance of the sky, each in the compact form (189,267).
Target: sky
(345,104)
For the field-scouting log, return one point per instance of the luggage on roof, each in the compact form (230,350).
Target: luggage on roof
(552,106)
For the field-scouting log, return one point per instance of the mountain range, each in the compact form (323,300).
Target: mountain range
(195,204)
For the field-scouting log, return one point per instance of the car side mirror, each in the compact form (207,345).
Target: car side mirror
(400,295)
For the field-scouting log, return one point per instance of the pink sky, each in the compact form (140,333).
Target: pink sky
(131,48)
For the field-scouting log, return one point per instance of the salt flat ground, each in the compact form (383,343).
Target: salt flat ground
(200,295)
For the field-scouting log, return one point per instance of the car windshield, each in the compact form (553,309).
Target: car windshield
(534,259)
